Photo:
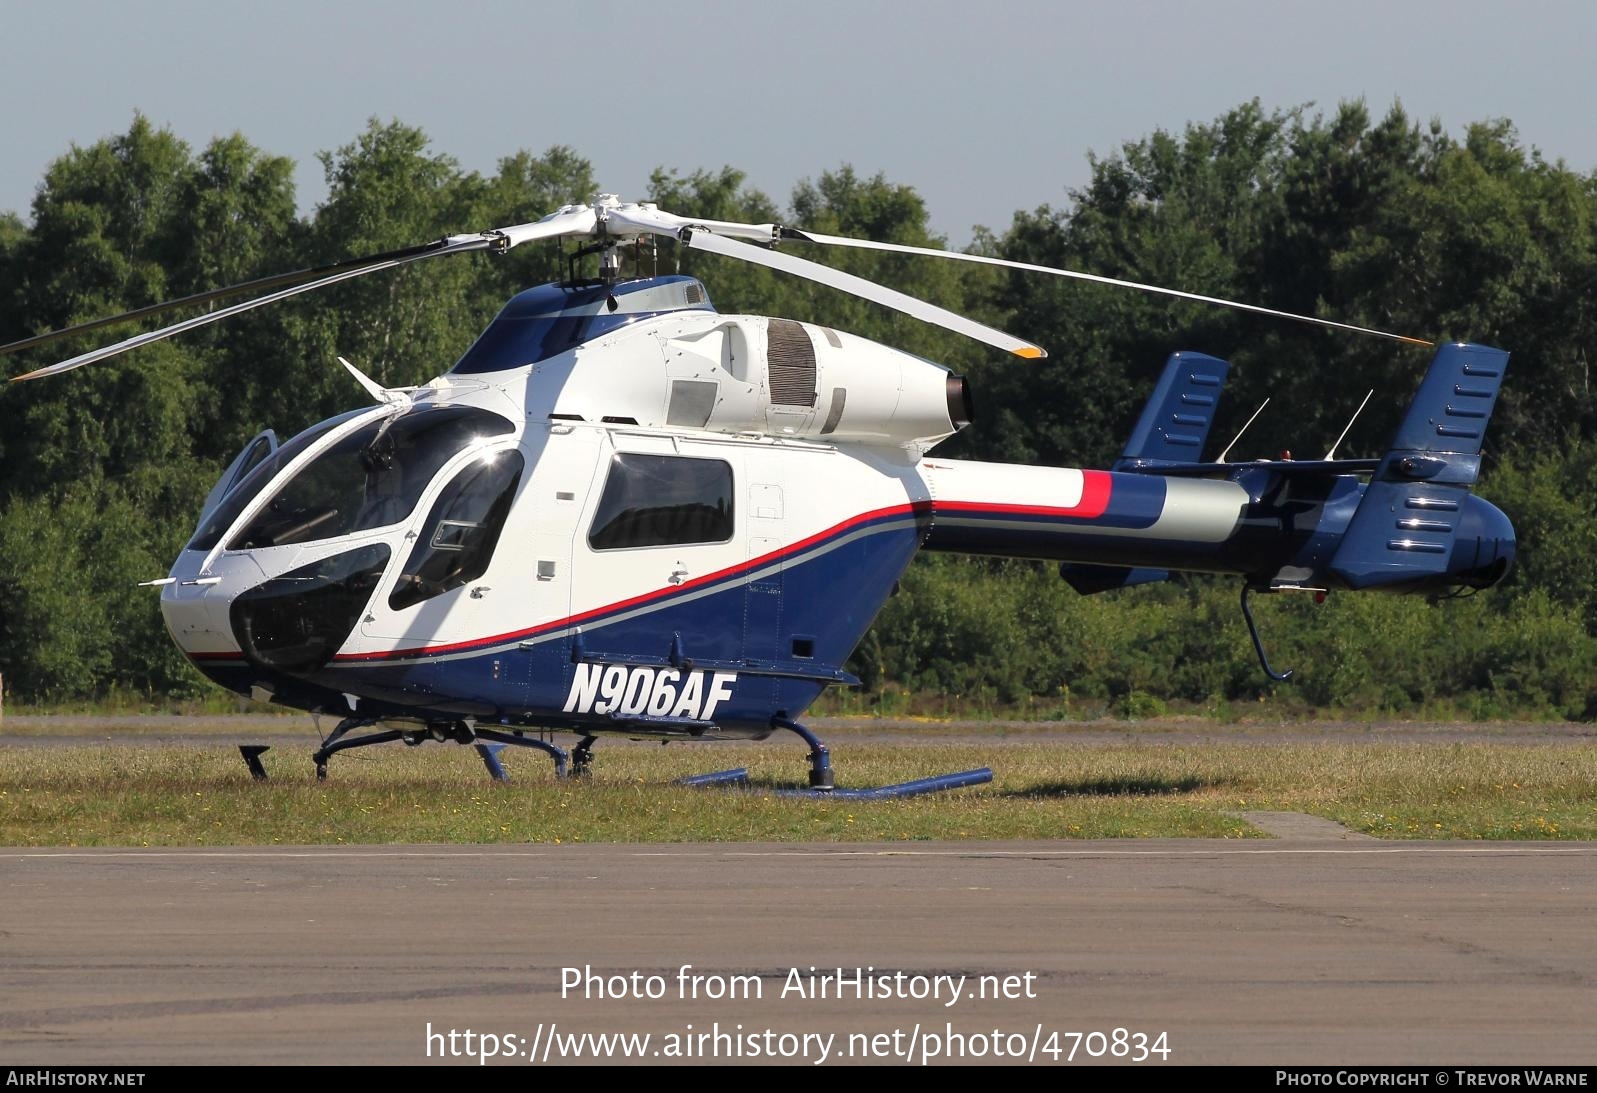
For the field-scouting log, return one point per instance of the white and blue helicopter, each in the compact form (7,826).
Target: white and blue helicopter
(621,511)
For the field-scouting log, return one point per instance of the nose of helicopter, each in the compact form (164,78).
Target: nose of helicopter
(291,622)
(195,604)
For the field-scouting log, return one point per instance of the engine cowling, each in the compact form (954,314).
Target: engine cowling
(752,375)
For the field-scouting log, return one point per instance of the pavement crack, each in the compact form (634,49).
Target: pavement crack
(32,1020)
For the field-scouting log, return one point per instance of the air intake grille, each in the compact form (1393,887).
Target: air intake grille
(693,293)
(790,358)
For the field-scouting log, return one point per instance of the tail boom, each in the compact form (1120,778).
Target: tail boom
(1278,523)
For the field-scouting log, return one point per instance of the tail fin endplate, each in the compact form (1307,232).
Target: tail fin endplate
(1406,523)
(1175,423)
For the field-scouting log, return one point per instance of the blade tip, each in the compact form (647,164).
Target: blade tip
(1031,352)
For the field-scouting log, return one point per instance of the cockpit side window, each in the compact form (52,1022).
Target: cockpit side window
(370,479)
(663,500)
(259,449)
(457,541)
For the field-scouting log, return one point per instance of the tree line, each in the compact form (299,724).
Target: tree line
(1382,222)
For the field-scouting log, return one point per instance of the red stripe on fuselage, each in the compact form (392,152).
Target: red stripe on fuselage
(646,597)
(1096,487)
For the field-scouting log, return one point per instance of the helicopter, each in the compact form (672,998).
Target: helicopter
(623,512)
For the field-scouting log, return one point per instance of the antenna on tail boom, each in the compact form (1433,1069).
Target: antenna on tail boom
(1233,444)
(1330,455)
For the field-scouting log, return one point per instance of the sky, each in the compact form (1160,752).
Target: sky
(986,108)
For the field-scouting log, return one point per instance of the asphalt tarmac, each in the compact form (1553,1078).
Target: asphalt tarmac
(1313,948)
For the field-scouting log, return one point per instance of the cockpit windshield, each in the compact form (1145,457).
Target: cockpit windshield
(238,498)
(369,479)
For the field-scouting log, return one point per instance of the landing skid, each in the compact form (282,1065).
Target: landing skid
(821,782)
(738,778)
(577,763)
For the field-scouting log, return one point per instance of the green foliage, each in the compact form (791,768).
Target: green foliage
(1375,221)
(74,621)
(1009,632)
(1553,500)
(1380,224)
(387,190)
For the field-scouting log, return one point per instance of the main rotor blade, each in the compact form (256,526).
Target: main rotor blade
(260,283)
(867,290)
(570,220)
(959,256)
(719,236)
(467,243)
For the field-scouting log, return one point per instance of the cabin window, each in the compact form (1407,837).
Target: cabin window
(663,500)
(458,539)
(371,478)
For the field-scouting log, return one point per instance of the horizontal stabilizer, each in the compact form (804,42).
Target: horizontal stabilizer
(1401,532)
(1175,423)
(1307,468)
(1088,579)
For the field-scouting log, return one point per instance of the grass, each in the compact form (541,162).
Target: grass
(163,795)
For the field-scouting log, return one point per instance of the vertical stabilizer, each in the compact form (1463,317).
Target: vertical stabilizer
(1176,421)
